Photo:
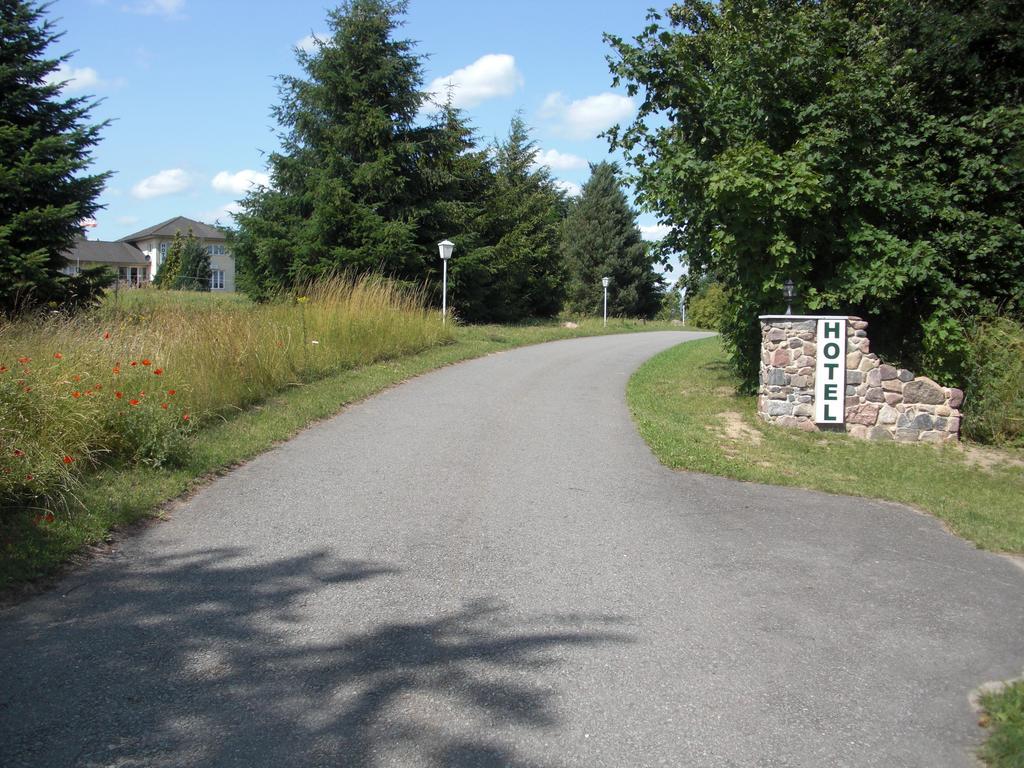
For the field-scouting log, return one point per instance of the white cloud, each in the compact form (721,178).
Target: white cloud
(75,79)
(654,231)
(488,77)
(587,117)
(571,188)
(239,183)
(155,7)
(559,161)
(163,183)
(308,43)
(222,214)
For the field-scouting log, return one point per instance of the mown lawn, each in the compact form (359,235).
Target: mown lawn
(686,408)
(1004,716)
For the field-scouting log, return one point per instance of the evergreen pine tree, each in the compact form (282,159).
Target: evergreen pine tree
(166,276)
(343,191)
(517,274)
(456,177)
(194,272)
(45,147)
(600,238)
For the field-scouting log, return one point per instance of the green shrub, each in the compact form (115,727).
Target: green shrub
(994,407)
(707,309)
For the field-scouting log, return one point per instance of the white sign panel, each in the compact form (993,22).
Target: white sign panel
(830,372)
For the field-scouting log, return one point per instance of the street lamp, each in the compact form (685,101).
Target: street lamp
(445,247)
(604,282)
(789,293)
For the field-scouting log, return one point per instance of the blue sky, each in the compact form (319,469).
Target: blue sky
(188,86)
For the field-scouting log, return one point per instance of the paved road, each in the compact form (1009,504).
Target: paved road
(487,567)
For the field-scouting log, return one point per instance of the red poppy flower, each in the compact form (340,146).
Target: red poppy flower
(30,477)
(117,369)
(133,401)
(3,369)
(24,360)
(76,394)
(49,517)
(142,394)
(76,377)
(27,389)
(164,405)
(185,417)
(106,335)
(119,395)
(133,363)
(146,361)
(157,371)
(97,387)
(172,392)
(68,459)
(58,356)
(18,452)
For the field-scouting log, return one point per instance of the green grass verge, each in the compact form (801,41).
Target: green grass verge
(1004,712)
(685,406)
(116,496)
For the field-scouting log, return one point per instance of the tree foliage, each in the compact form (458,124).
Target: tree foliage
(515,271)
(364,183)
(346,186)
(167,274)
(871,151)
(45,150)
(194,272)
(600,238)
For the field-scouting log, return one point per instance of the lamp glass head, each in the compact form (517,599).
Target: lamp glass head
(446,247)
(605,281)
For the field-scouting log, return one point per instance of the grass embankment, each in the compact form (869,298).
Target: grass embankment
(685,406)
(243,374)
(1004,716)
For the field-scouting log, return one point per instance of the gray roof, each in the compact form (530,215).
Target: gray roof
(105,252)
(177,224)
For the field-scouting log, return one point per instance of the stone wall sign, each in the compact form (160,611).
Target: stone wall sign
(830,372)
(818,373)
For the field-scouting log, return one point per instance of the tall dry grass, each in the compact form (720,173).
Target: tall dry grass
(132,379)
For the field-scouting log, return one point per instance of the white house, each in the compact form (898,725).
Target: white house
(137,257)
(130,264)
(154,241)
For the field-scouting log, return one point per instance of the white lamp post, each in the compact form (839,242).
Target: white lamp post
(682,305)
(604,282)
(445,247)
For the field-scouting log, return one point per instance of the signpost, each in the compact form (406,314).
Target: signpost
(830,372)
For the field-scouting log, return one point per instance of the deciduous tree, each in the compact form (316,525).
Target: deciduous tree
(870,151)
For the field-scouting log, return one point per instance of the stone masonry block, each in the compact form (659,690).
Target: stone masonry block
(923,390)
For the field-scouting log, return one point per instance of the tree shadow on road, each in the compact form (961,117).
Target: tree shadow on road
(210,659)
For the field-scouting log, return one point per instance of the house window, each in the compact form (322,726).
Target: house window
(216,250)
(216,279)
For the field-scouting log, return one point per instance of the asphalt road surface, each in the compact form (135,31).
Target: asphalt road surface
(487,567)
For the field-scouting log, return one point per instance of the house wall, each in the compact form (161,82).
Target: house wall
(151,248)
(227,263)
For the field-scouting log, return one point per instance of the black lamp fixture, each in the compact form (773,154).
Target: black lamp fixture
(789,294)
